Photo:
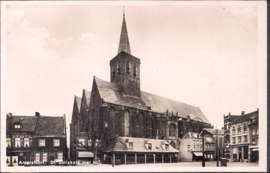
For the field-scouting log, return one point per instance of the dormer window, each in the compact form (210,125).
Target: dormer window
(149,146)
(17,126)
(128,68)
(166,146)
(131,145)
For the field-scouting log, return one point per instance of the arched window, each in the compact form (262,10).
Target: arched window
(128,68)
(118,68)
(111,123)
(113,72)
(134,70)
(172,130)
(126,123)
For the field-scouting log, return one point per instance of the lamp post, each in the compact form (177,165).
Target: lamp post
(216,133)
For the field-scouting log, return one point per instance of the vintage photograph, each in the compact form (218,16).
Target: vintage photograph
(133,86)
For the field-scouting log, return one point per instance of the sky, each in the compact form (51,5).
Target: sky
(205,56)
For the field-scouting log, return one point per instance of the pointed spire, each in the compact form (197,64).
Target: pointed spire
(124,42)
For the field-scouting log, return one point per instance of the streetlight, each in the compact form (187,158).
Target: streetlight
(203,161)
(216,133)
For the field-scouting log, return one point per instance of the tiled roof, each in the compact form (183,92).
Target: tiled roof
(78,101)
(43,125)
(87,96)
(28,122)
(110,93)
(245,117)
(49,125)
(158,146)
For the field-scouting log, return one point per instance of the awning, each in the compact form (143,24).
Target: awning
(197,153)
(255,149)
(85,154)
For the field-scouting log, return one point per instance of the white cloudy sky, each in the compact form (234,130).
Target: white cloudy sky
(205,56)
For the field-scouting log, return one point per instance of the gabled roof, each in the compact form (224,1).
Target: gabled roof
(220,131)
(49,125)
(87,96)
(42,125)
(28,122)
(192,135)
(110,93)
(245,117)
(158,146)
(124,42)
(78,102)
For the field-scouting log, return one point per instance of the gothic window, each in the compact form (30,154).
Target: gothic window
(112,122)
(172,130)
(118,68)
(134,70)
(128,68)
(141,124)
(113,72)
(126,123)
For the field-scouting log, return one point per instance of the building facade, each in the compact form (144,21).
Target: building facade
(241,136)
(120,108)
(36,140)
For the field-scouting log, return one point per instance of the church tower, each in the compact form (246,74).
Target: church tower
(125,68)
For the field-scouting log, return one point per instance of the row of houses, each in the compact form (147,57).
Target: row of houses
(34,140)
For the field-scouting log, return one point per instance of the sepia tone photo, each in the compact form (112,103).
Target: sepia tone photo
(133,86)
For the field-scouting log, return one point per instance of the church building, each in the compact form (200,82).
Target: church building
(131,125)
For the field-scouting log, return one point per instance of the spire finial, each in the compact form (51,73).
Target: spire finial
(123,10)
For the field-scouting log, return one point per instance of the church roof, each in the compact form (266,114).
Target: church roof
(121,144)
(124,42)
(110,93)
(78,101)
(87,96)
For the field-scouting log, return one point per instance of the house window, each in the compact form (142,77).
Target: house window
(253,132)
(113,72)
(220,142)
(257,131)
(239,129)
(17,143)
(8,142)
(233,131)
(56,142)
(233,139)
(149,146)
(82,141)
(44,157)
(89,142)
(245,138)
(60,156)
(198,148)
(253,141)
(37,157)
(245,128)
(239,139)
(188,148)
(26,142)
(206,146)
(17,126)
(41,142)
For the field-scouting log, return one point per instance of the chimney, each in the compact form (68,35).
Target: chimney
(188,116)
(148,107)
(229,113)
(258,110)
(9,114)
(243,113)
(37,114)
(222,128)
